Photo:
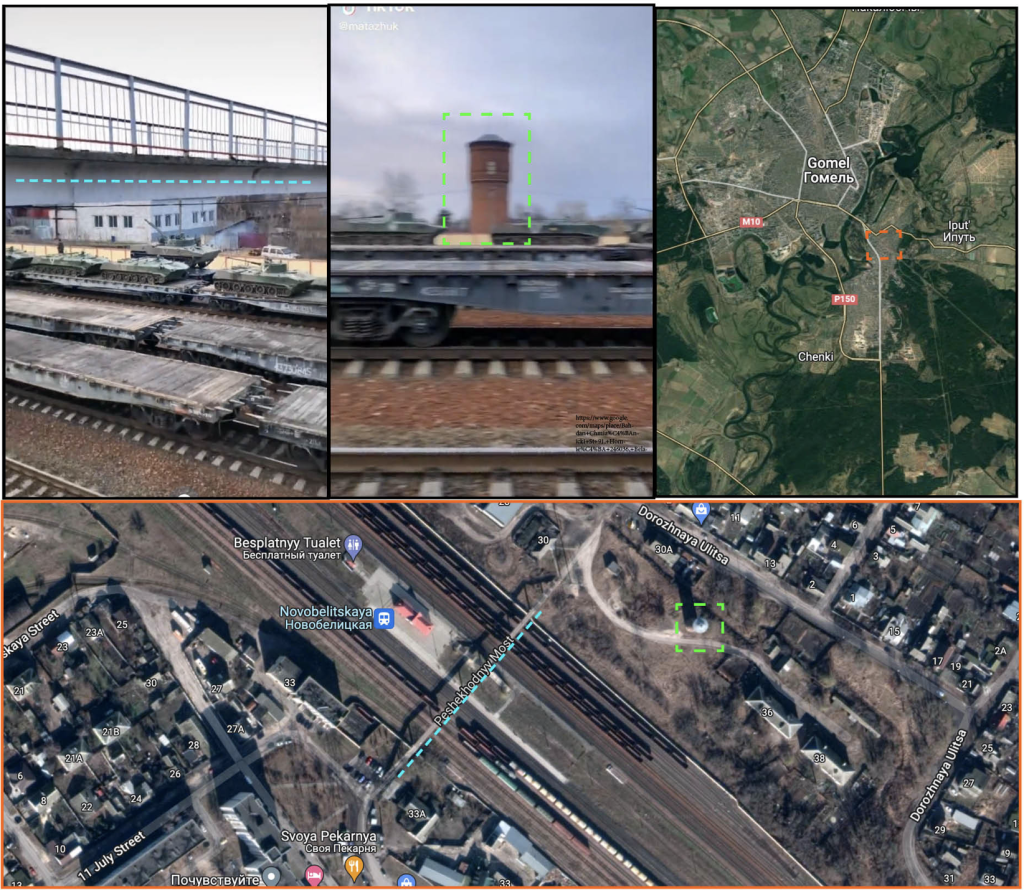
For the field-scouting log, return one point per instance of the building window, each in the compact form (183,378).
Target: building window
(127,222)
(167,219)
(195,216)
(177,220)
(202,216)
(112,221)
(97,221)
(490,167)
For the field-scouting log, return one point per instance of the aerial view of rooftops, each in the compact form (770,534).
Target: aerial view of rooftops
(601,694)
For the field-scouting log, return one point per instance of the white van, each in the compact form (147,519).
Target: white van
(276,252)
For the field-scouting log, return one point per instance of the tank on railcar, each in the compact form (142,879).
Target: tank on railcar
(393,228)
(80,265)
(17,260)
(183,249)
(75,263)
(144,270)
(642,233)
(272,280)
(554,232)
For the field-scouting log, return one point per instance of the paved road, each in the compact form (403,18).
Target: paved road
(908,843)
(772,587)
(30,851)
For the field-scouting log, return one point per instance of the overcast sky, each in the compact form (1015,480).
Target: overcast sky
(584,73)
(270,57)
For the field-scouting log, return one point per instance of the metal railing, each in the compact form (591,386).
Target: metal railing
(57,103)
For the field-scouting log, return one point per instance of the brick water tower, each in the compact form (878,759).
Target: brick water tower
(488,177)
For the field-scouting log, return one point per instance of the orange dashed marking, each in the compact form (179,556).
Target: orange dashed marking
(883,232)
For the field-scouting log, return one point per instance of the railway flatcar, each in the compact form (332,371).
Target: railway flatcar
(115,325)
(300,419)
(540,253)
(167,394)
(415,300)
(276,352)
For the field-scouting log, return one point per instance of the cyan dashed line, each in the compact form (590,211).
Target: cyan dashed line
(426,744)
(168,182)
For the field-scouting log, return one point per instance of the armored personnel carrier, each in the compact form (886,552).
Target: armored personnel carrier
(642,233)
(272,280)
(17,260)
(145,271)
(74,263)
(183,249)
(554,232)
(393,228)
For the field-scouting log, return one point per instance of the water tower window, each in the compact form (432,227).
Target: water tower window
(490,167)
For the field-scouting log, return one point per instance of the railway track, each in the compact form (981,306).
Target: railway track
(24,481)
(517,343)
(470,472)
(501,363)
(240,450)
(384,669)
(677,791)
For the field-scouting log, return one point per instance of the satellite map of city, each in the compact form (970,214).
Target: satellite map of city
(469,694)
(836,244)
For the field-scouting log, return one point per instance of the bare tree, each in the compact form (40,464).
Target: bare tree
(623,208)
(399,191)
(571,210)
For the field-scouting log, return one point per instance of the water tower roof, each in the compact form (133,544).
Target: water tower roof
(491,138)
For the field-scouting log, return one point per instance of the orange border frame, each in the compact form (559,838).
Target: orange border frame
(889,501)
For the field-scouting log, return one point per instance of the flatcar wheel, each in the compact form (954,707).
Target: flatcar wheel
(196,429)
(165,421)
(297,453)
(428,331)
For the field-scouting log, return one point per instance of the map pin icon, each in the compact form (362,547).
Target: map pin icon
(354,866)
(352,545)
(701,511)
(314,874)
